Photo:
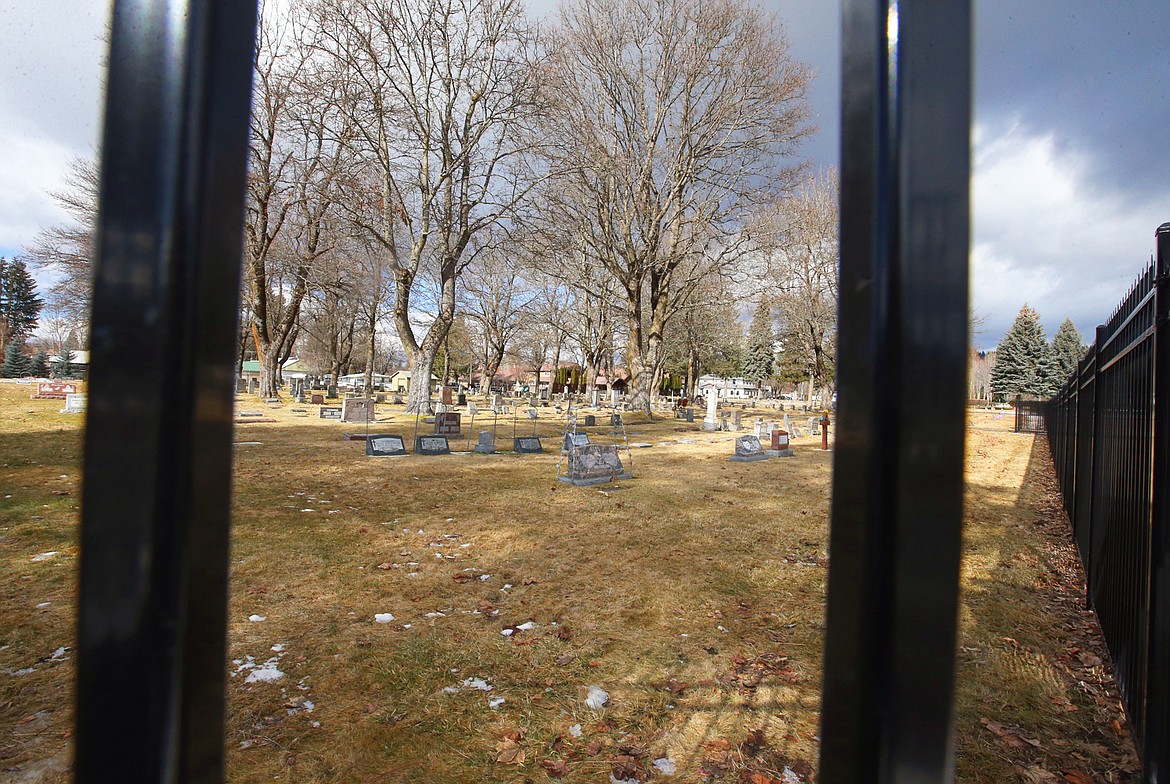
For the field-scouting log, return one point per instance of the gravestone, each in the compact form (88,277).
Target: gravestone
(448,423)
(712,420)
(762,431)
(74,404)
(594,464)
(497,401)
(253,385)
(613,397)
(385,446)
(736,419)
(472,409)
(431,445)
(446,396)
(241,386)
(531,413)
(533,401)
(575,441)
(462,399)
(486,445)
(814,425)
(615,420)
(590,420)
(317,400)
(440,408)
(329,412)
(595,397)
(331,392)
(780,445)
(748,449)
(396,400)
(357,409)
(527,445)
(688,414)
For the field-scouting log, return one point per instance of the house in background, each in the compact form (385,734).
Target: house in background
(737,388)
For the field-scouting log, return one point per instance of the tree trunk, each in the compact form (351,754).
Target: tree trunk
(418,397)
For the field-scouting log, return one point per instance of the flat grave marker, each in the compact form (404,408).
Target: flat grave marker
(329,412)
(527,445)
(74,404)
(431,445)
(385,445)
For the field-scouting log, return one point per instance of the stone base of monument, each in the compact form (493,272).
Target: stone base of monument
(711,425)
(594,464)
(748,458)
(780,453)
(485,449)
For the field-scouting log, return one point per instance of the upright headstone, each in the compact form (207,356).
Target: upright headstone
(462,399)
(712,420)
(357,409)
(531,412)
(748,449)
(780,445)
(447,400)
(448,423)
(595,397)
(253,385)
(74,403)
(593,465)
(331,391)
(736,419)
(814,425)
(241,386)
(497,401)
(533,401)
(613,397)
(472,409)
(762,432)
(486,444)
(590,420)
(574,441)
(317,400)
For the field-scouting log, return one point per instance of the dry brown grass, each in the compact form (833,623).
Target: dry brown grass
(677,592)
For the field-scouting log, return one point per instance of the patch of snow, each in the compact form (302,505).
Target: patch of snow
(43,604)
(507,632)
(308,510)
(495,702)
(435,615)
(527,626)
(265,673)
(25,671)
(485,577)
(277,648)
(45,556)
(665,766)
(308,706)
(477,683)
(257,618)
(615,780)
(450,689)
(575,731)
(597,697)
(383,617)
(789,776)
(406,626)
(58,654)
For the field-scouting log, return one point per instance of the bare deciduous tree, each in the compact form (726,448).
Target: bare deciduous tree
(438,93)
(804,271)
(669,119)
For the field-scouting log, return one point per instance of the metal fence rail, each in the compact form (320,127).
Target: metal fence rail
(1109,431)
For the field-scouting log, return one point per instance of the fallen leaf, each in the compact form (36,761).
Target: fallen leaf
(564,633)
(1034,774)
(1115,725)
(554,768)
(594,748)
(563,660)
(528,581)
(753,743)
(386,565)
(674,687)
(1077,777)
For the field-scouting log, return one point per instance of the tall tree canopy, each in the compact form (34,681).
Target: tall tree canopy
(1067,349)
(1024,363)
(20,305)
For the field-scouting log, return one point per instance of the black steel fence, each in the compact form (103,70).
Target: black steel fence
(1030,415)
(1109,430)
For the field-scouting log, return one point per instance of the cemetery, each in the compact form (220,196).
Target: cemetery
(401,611)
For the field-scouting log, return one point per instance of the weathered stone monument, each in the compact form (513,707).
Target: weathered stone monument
(613,397)
(575,441)
(486,445)
(253,385)
(241,386)
(526,445)
(317,400)
(594,464)
(712,420)
(448,423)
(595,397)
(357,409)
(736,419)
(590,420)
(748,449)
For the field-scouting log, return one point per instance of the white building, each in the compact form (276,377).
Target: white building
(737,388)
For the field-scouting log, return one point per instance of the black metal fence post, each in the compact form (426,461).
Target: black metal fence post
(898,476)
(1156,749)
(156,498)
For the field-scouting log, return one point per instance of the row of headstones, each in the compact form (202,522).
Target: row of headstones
(392,445)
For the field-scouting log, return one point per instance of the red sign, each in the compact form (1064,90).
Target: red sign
(54,390)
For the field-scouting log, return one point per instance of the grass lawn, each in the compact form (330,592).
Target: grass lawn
(691,595)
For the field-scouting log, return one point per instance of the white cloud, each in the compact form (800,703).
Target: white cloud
(1043,235)
(30,168)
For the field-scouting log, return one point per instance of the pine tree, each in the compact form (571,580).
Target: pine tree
(40,364)
(16,362)
(1024,362)
(1067,348)
(761,350)
(19,304)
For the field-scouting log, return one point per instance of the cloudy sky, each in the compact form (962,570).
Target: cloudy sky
(1072,123)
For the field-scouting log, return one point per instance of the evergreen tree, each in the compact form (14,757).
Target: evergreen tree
(19,304)
(1024,363)
(40,364)
(65,366)
(1067,348)
(16,362)
(761,351)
